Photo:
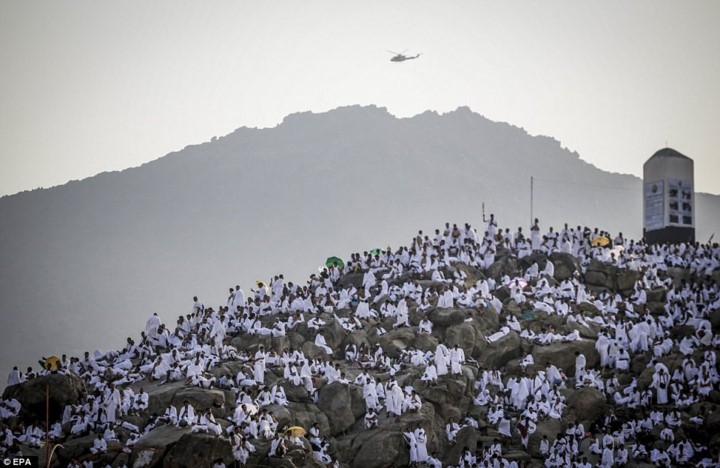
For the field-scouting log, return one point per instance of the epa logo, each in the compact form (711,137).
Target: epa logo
(21,461)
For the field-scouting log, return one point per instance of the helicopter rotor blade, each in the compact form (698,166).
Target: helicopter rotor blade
(393,52)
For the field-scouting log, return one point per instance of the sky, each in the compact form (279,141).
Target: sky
(94,86)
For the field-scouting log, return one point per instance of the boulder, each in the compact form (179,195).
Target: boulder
(497,354)
(60,390)
(585,405)
(354,279)
(335,401)
(590,332)
(463,335)
(150,450)
(333,332)
(74,448)
(425,342)
(596,278)
(657,295)
(123,459)
(305,415)
(296,458)
(486,320)
(395,341)
(358,338)
(198,450)
(382,449)
(535,257)
(295,393)
(600,276)
(200,398)
(504,266)
(448,317)
(440,397)
(562,355)
(678,275)
(566,265)
(715,320)
(548,428)
(466,437)
(312,351)
(474,274)
(625,280)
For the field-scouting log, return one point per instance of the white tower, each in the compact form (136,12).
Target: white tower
(668,198)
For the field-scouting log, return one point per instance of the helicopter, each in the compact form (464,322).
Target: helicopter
(400,57)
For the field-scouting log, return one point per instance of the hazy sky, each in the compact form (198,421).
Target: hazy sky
(92,86)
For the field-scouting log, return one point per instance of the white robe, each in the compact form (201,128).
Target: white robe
(442,356)
(457,358)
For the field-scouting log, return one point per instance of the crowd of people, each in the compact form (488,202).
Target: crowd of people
(190,349)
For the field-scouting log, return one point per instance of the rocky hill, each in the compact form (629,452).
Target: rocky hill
(607,353)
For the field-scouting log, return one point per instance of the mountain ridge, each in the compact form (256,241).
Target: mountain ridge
(259,202)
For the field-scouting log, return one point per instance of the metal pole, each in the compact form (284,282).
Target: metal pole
(47,426)
(531,201)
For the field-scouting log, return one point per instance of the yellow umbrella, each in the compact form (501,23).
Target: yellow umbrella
(600,241)
(295,431)
(52,363)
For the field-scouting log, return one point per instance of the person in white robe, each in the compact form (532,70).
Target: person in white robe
(430,374)
(152,324)
(15,377)
(206,423)
(394,398)
(412,402)
(661,383)
(320,342)
(451,430)
(112,402)
(446,300)
(421,441)
(412,443)
(401,315)
(425,326)
(442,358)
(187,416)
(602,346)
(369,281)
(457,358)
(99,445)
(363,311)
(580,362)
(549,269)
(277,447)
(371,419)
(140,400)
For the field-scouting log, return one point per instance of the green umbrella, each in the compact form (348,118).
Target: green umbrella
(335,261)
(375,251)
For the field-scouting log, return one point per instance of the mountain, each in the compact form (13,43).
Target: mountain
(85,264)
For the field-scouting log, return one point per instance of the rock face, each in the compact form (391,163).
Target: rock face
(62,389)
